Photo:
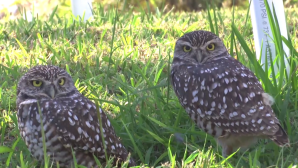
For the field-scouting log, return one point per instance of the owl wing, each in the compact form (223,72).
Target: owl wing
(78,127)
(226,93)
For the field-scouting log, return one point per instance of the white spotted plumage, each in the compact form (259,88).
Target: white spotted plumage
(227,98)
(69,120)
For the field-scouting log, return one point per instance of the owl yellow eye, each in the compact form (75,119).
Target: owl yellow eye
(61,81)
(210,47)
(36,83)
(186,48)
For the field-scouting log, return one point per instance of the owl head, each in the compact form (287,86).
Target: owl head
(45,82)
(199,47)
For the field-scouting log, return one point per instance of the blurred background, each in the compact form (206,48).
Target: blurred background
(11,9)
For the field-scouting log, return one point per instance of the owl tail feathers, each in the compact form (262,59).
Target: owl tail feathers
(281,137)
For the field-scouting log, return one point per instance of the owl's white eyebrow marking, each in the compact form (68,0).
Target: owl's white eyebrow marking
(184,43)
(209,42)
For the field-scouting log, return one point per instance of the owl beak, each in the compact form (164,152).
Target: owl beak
(198,56)
(50,91)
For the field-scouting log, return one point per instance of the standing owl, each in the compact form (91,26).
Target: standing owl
(69,120)
(222,96)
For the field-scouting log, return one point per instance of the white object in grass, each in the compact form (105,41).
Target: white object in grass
(28,16)
(263,34)
(82,8)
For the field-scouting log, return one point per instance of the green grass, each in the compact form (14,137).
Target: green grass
(122,60)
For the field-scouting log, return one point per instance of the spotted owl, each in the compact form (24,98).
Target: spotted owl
(222,96)
(46,96)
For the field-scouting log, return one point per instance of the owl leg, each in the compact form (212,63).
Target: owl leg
(226,150)
(227,145)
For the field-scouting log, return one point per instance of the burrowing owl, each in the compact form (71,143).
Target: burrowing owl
(222,96)
(69,120)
